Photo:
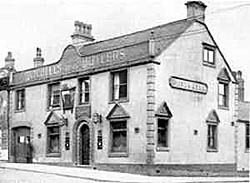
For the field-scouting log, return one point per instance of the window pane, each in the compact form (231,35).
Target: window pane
(123,77)
(123,91)
(221,89)
(212,141)
(247,136)
(162,133)
(211,56)
(53,139)
(205,55)
(119,136)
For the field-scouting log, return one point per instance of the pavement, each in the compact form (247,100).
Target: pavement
(104,176)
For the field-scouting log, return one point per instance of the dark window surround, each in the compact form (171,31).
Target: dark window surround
(213,137)
(163,145)
(53,154)
(124,84)
(86,92)
(20,100)
(209,48)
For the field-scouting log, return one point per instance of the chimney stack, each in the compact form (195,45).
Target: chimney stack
(82,34)
(38,60)
(241,89)
(196,10)
(9,61)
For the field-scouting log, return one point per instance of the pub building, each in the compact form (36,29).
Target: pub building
(156,101)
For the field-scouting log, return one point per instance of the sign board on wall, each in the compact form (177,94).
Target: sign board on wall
(188,85)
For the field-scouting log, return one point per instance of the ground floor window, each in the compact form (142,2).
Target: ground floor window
(247,136)
(162,133)
(212,137)
(53,141)
(118,136)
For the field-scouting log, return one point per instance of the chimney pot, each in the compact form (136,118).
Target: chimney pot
(9,61)
(196,10)
(38,60)
(241,86)
(82,34)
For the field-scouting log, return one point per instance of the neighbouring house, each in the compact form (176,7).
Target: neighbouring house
(4,98)
(243,127)
(159,101)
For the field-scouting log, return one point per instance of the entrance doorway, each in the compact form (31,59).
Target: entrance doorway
(21,145)
(84,145)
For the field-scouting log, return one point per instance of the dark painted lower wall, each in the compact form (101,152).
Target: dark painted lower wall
(173,169)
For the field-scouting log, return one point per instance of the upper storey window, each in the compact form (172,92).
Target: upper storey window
(119,85)
(84,91)
(20,99)
(223,89)
(208,54)
(54,95)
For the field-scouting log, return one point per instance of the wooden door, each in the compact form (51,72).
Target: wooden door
(85,145)
(22,146)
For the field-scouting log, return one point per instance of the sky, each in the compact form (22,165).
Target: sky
(48,24)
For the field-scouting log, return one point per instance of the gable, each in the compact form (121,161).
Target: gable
(55,119)
(213,117)
(117,112)
(164,110)
(223,75)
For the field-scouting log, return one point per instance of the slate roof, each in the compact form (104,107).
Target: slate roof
(244,111)
(171,30)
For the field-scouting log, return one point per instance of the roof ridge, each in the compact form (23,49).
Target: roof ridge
(136,32)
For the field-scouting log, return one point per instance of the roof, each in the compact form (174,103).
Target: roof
(244,111)
(172,30)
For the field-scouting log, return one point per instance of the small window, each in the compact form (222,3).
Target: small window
(119,85)
(162,133)
(84,91)
(118,136)
(53,141)
(212,137)
(223,94)
(208,54)
(20,99)
(247,136)
(54,95)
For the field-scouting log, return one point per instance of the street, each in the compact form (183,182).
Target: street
(40,173)
(20,176)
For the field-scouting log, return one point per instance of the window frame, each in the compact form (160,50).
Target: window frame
(80,82)
(49,96)
(225,95)
(17,92)
(112,90)
(163,148)
(118,154)
(247,137)
(212,149)
(209,48)
(53,154)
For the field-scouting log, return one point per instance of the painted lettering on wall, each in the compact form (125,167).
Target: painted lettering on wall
(188,85)
(84,63)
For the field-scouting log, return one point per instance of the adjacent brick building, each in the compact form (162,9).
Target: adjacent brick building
(159,100)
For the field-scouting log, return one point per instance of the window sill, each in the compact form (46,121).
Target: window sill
(83,104)
(223,107)
(162,149)
(212,150)
(19,110)
(209,64)
(119,101)
(54,108)
(53,155)
(118,154)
